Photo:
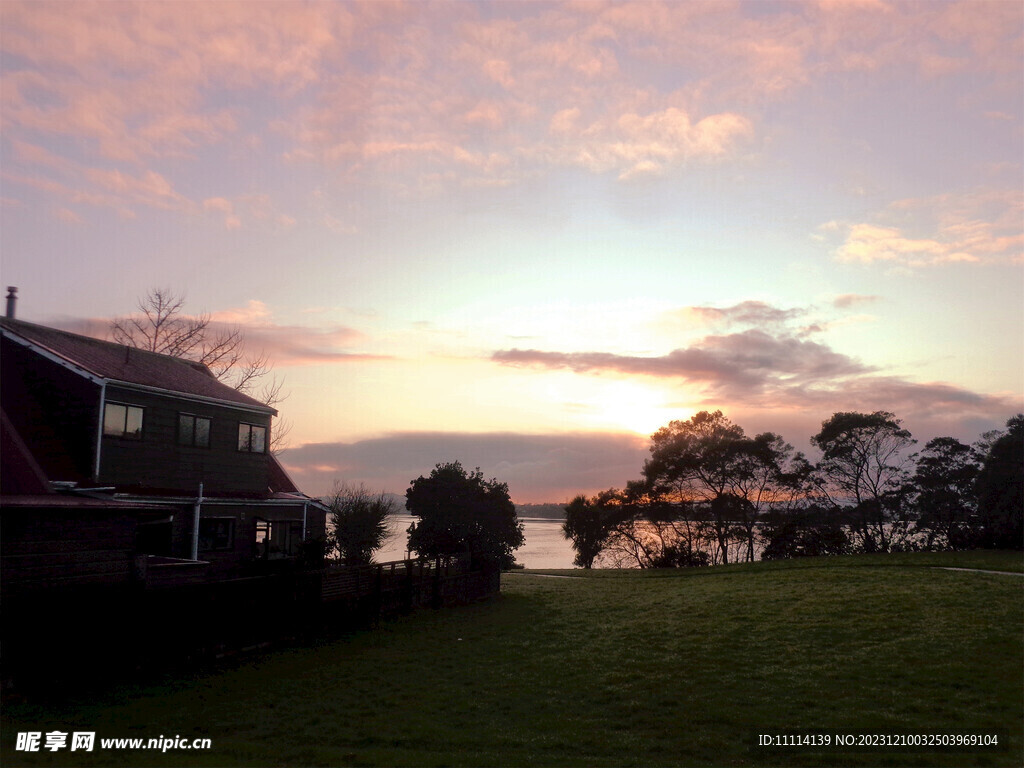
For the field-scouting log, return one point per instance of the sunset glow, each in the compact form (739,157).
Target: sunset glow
(526,235)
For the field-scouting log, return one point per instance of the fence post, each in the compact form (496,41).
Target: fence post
(378,597)
(407,591)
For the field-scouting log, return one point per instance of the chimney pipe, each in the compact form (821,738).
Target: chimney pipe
(12,299)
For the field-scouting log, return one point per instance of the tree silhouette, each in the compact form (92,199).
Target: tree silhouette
(1000,488)
(357,523)
(864,463)
(462,513)
(587,525)
(944,496)
(708,463)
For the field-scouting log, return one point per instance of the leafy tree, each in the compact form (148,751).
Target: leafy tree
(1000,488)
(587,526)
(864,463)
(773,475)
(699,461)
(462,513)
(644,531)
(944,496)
(357,523)
(708,464)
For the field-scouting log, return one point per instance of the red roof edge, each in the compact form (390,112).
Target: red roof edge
(280,482)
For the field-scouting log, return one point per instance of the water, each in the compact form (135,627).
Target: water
(545,545)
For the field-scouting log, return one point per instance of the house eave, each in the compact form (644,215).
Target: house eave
(264,409)
(177,501)
(53,357)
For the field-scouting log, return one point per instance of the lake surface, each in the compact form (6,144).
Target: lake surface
(545,545)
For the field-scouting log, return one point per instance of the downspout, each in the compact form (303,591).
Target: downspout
(99,432)
(195,524)
(305,506)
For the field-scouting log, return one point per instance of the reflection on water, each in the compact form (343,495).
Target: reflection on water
(545,545)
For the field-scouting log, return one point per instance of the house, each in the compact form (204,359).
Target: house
(121,465)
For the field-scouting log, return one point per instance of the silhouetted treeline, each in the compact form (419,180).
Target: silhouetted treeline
(709,494)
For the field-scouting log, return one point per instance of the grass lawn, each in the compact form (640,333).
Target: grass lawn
(613,668)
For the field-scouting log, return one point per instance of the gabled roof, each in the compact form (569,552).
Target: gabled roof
(23,484)
(280,482)
(120,364)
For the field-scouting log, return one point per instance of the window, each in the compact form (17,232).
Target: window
(216,533)
(252,438)
(193,430)
(278,538)
(122,421)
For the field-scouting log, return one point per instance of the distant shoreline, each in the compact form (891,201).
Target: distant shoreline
(541,511)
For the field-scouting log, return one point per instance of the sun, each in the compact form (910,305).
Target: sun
(632,406)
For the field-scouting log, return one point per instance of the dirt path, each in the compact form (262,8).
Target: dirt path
(977,570)
(538,575)
(936,567)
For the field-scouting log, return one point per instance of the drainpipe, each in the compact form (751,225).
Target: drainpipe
(305,506)
(195,524)
(99,432)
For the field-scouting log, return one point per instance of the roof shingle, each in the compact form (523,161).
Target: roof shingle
(120,363)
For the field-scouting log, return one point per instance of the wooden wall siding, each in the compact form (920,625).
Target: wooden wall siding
(58,548)
(158,462)
(161,573)
(54,410)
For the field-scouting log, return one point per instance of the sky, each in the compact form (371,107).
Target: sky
(524,236)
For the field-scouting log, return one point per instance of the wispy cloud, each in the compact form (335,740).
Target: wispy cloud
(132,77)
(291,345)
(422,90)
(737,365)
(850,300)
(983,227)
(294,345)
(774,365)
(744,314)
(635,145)
(284,345)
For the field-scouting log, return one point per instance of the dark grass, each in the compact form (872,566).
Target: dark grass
(609,669)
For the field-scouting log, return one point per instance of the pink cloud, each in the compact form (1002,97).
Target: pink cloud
(744,365)
(746,313)
(849,300)
(69,216)
(634,144)
(283,345)
(982,228)
(432,94)
(291,345)
(771,367)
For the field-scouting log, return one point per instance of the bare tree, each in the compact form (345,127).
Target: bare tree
(161,325)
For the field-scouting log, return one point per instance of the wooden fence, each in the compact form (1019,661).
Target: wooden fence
(406,584)
(170,619)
